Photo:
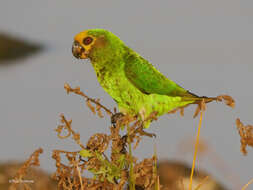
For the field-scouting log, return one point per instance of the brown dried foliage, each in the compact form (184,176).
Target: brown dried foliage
(246,134)
(33,160)
(109,172)
(144,173)
(69,175)
(228,100)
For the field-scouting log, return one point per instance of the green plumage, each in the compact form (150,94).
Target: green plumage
(136,86)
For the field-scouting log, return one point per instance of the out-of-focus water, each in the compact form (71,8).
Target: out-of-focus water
(204,46)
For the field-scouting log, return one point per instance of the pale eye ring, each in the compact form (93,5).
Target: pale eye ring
(87,40)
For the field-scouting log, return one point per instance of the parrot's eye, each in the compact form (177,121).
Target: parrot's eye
(87,40)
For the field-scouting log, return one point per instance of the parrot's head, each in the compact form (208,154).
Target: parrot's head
(95,44)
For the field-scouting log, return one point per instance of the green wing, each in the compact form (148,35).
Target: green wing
(149,80)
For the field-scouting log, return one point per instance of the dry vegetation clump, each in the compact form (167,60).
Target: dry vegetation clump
(120,169)
(19,181)
(246,134)
(108,173)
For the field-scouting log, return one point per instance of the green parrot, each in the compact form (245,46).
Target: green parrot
(136,86)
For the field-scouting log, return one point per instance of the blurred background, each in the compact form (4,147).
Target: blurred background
(205,46)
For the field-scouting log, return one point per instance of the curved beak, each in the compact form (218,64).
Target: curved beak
(78,51)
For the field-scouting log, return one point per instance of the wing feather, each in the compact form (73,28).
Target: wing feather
(149,80)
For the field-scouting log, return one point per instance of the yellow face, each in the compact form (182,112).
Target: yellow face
(82,45)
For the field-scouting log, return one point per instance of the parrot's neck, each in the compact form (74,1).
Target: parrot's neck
(108,60)
(106,67)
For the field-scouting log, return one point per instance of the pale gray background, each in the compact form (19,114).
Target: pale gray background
(205,46)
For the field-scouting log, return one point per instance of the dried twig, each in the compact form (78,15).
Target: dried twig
(88,99)
(196,144)
(67,125)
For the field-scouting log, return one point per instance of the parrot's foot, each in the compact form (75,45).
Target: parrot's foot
(115,117)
